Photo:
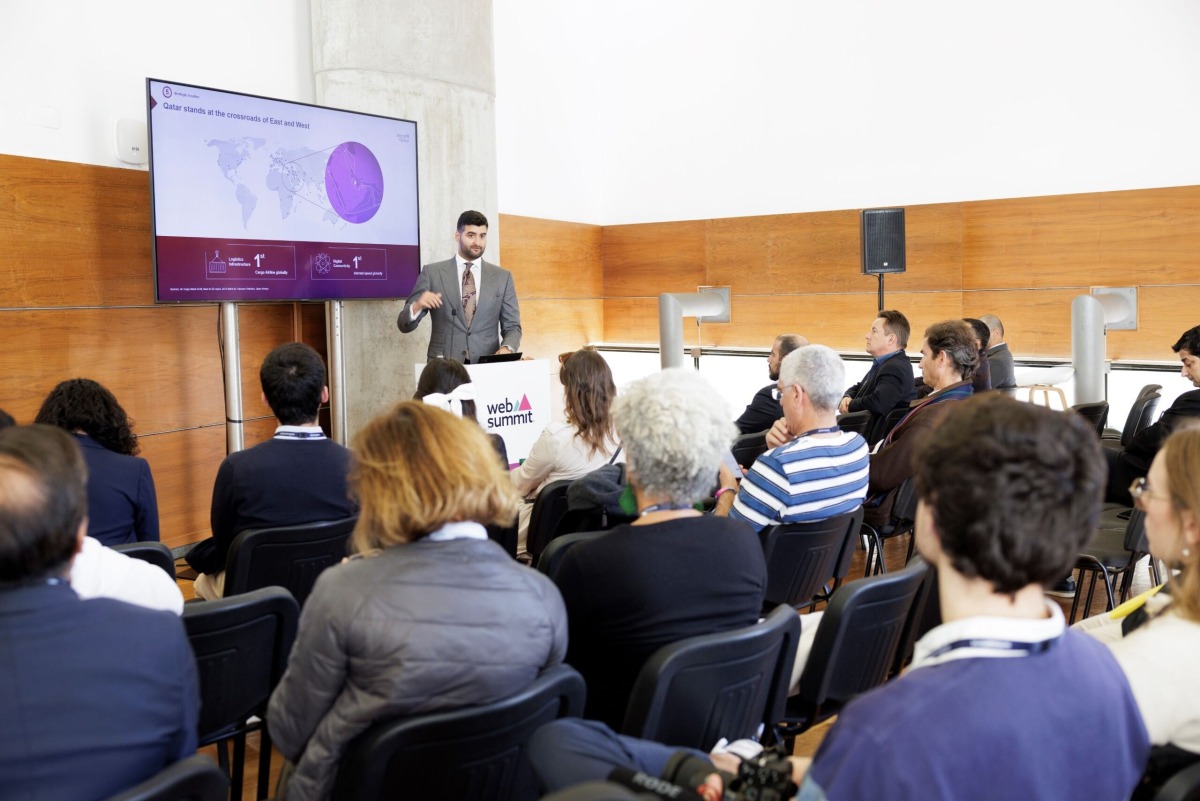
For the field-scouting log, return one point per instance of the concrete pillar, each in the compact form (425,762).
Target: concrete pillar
(430,61)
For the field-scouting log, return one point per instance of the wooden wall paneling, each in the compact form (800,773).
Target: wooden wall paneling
(550,327)
(1150,235)
(922,309)
(784,254)
(160,362)
(551,259)
(647,260)
(1164,313)
(837,320)
(184,465)
(312,328)
(633,320)
(74,234)
(933,245)
(1033,243)
(261,328)
(1037,322)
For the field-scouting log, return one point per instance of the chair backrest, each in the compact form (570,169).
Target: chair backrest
(856,641)
(884,424)
(472,753)
(695,691)
(196,778)
(859,422)
(803,557)
(552,555)
(153,552)
(748,447)
(1135,533)
(241,645)
(925,613)
(1096,413)
(904,507)
(1182,786)
(288,556)
(1148,408)
(548,509)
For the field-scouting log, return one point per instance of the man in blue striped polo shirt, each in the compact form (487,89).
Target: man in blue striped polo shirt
(821,471)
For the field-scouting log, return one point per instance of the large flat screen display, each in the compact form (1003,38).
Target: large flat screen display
(260,199)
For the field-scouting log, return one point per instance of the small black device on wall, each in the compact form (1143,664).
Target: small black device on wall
(882,241)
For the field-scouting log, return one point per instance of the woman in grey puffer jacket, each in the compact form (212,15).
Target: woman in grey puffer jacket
(429,615)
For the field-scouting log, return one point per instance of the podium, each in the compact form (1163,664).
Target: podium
(512,399)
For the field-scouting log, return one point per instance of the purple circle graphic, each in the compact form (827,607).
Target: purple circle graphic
(354,182)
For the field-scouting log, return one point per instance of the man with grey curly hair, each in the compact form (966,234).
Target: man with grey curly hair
(673,573)
(819,473)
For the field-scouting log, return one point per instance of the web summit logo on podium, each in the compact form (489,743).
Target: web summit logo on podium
(507,413)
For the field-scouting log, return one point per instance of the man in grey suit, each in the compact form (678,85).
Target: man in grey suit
(999,358)
(473,302)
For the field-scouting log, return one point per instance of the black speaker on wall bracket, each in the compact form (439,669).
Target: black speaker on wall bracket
(882,243)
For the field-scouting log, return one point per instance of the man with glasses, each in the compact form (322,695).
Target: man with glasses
(1134,461)
(821,471)
(764,407)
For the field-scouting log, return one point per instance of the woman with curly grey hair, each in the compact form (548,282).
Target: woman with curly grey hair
(672,573)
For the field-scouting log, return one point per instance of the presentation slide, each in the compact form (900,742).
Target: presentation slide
(259,199)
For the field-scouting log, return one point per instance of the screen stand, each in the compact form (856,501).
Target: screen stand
(337,370)
(234,440)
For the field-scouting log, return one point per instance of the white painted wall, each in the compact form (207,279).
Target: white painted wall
(70,68)
(635,111)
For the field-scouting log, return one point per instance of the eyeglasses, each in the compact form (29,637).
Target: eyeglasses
(777,391)
(1141,491)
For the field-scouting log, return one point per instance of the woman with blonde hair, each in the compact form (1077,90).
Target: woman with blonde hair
(585,442)
(429,615)
(1158,644)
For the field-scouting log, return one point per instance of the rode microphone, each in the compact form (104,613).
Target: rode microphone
(652,785)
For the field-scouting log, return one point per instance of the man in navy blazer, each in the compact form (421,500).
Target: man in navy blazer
(97,695)
(457,332)
(889,383)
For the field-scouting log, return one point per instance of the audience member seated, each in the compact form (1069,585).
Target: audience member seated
(889,382)
(1000,359)
(1001,700)
(673,573)
(1134,461)
(583,443)
(6,419)
(1158,645)
(100,572)
(429,614)
(122,506)
(820,471)
(764,409)
(97,695)
(297,476)
(446,384)
(982,381)
(948,359)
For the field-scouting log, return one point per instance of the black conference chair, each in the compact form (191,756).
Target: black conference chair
(193,779)
(803,558)
(287,556)
(859,422)
(241,645)
(1095,413)
(1141,414)
(471,754)
(748,447)
(887,422)
(925,614)
(153,552)
(549,508)
(552,556)
(855,645)
(1182,786)
(695,691)
(1113,553)
(902,521)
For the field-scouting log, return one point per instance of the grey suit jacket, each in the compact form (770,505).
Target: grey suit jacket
(496,312)
(1000,360)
